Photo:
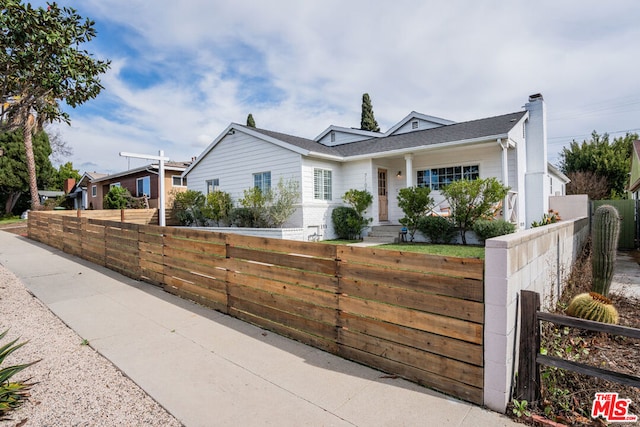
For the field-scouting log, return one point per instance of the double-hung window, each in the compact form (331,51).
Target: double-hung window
(212,185)
(262,180)
(322,184)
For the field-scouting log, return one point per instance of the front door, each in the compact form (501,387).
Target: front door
(383,203)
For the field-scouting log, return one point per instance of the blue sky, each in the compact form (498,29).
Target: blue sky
(182,71)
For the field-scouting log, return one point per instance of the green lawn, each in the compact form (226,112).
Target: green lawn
(425,248)
(11,220)
(444,250)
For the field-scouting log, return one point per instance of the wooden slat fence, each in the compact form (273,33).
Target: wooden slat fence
(417,316)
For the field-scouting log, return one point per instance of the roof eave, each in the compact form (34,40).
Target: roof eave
(408,150)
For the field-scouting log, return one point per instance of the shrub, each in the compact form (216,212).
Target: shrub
(117,198)
(241,217)
(473,200)
(437,229)
(415,202)
(217,207)
(256,202)
(486,229)
(283,202)
(187,207)
(344,218)
(359,200)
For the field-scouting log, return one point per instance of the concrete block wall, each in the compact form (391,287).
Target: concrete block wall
(570,207)
(537,259)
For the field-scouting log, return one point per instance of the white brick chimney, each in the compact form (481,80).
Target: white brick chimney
(537,181)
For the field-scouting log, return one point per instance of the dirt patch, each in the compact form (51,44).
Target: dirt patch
(567,397)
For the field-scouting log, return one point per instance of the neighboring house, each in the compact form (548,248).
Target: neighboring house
(634,179)
(79,192)
(419,150)
(44,195)
(140,181)
(557,181)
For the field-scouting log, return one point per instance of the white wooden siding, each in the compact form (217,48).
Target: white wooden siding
(422,125)
(342,138)
(236,158)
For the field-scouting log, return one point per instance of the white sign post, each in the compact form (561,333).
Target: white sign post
(160,158)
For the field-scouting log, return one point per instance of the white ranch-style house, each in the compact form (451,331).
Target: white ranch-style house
(419,150)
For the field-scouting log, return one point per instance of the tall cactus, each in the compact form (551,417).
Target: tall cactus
(606,230)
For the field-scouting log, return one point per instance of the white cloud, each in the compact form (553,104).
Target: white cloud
(183,70)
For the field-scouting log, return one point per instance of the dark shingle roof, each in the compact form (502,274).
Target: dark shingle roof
(475,129)
(304,143)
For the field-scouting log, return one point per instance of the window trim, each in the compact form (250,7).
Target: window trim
(264,188)
(182,181)
(322,184)
(212,184)
(435,172)
(94,191)
(138,188)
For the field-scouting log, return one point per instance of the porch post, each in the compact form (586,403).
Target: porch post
(409,168)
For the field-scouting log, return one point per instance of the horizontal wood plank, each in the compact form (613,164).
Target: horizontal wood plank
(309,249)
(471,268)
(289,290)
(318,335)
(212,248)
(437,304)
(207,297)
(589,325)
(428,379)
(442,366)
(298,277)
(205,282)
(455,328)
(317,265)
(433,343)
(456,287)
(215,267)
(302,309)
(581,368)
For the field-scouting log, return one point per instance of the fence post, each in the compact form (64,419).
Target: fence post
(528,381)
(121,215)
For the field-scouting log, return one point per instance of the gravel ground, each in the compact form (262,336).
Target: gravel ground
(76,386)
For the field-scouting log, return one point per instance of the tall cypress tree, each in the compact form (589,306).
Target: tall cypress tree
(367,120)
(250,122)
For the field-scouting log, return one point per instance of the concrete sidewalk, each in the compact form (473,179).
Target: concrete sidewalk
(209,369)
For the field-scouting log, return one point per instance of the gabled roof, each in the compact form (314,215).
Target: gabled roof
(415,115)
(490,128)
(88,177)
(360,132)
(465,132)
(552,170)
(168,166)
